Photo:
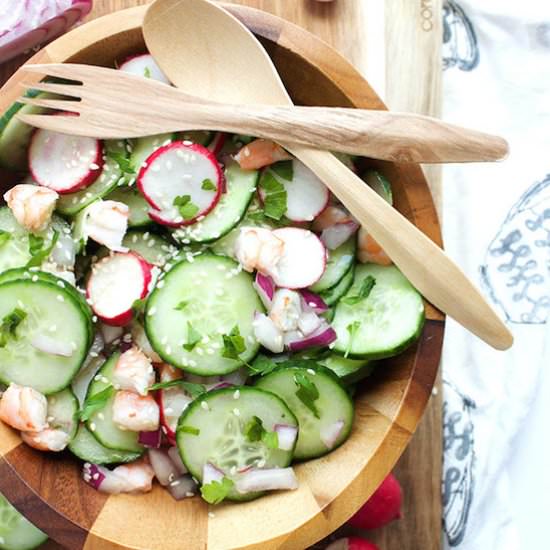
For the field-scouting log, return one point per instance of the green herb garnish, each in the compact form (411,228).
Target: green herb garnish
(193,338)
(194,390)
(366,287)
(189,430)
(185,207)
(5,236)
(307,392)
(275,197)
(147,72)
(37,249)
(123,162)
(9,325)
(255,431)
(233,344)
(262,365)
(284,169)
(96,402)
(352,329)
(216,491)
(208,185)
(182,305)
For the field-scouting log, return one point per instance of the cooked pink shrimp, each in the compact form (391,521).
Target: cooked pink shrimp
(330,216)
(136,477)
(106,223)
(258,248)
(134,371)
(368,250)
(24,409)
(260,153)
(169,373)
(49,439)
(135,413)
(31,205)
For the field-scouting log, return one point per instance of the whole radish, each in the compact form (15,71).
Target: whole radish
(352,543)
(381,508)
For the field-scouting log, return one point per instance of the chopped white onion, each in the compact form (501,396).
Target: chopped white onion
(48,345)
(330,434)
(165,470)
(336,235)
(265,287)
(323,336)
(211,473)
(266,480)
(267,333)
(286,436)
(175,457)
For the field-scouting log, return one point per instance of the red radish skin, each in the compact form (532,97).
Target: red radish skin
(382,507)
(192,164)
(217,143)
(352,543)
(64,163)
(105,288)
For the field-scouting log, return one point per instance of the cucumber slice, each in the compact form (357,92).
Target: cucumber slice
(143,148)
(212,296)
(377,182)
(86,447)
(202,137)
(349,371)
(221,440)
(16,531)
(338,264)
(15,135)
(229,211)
(101,423)
(332,406)
(387,321)
(333,294)
(63,408)
(71,204)
(151,247)
(50,311)
(139,207)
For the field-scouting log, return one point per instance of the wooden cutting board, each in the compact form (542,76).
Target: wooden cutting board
(396,44)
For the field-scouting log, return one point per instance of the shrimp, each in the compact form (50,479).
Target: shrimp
(31,205)
(24,409)
(135,413)
(106,223)
(50,439)
(286,309)
(134,371)
(258,248)
(133,478)
(260,153)
(368,250)
(331,215)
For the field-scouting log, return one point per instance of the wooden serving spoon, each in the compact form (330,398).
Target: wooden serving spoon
(207,52)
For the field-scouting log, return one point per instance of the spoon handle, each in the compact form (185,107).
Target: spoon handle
(433,273)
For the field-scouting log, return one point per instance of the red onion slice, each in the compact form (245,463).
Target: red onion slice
(183,487)
(330,434)
(266,480)
(175,457)
(286,436)
(323,336)
(164,468)
(314,301)
(151,440)
(48,345)
(336,235)
(93,475)
(211,473)
(265,287)
(237,378)
(219,386)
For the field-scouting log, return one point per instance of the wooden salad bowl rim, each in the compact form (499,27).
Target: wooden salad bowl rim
(49,489)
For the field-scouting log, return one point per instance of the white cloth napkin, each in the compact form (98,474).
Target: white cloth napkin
(496,224)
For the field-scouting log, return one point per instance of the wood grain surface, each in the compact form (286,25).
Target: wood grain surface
(413,68)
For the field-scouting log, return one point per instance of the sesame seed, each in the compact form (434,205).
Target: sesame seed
(211,515)
(205,406)
(236,412)
(311,371)
(261,463)
(34,278)
(92,426)
(237,394)
(152,311)
(189,494)
(60,298)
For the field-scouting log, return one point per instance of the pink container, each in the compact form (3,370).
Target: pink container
(27,24)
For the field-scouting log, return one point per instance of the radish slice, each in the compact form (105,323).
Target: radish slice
(336,235)
(64,163)
(48,345)
(144,65)
(217,143)
(116,282)
(286,436)
(306,195)
(183,487)
(267,333)
(175,457)
(164,468)
(265,287)
(314,301)
(184,173)
(151,440)
(266,480)
(329,434)
(323,336)
(303,260)
(211,473)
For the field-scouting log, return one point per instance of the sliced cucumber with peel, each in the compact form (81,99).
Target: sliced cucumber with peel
(333,294)
(377,182)
(143,148)
(212,296)
(63,410)
(332,406)
(338,264)
(138,206)
(151,247)
(349,371)
(17,532)
(86,447)
(383,324)
(221,417)
(101,423)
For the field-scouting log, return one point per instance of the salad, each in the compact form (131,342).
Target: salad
(191,308)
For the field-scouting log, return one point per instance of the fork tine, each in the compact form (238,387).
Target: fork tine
(57,104)
(69,90)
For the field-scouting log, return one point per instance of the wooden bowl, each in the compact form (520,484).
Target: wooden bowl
(49,490)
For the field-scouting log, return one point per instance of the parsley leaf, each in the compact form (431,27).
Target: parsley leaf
(255,431)
(182,305)
(139,305)
(5,236)
(352,328)
(275,198)
(193,338)
(270,439)
(9,325)
(307,392)
(147,72)
(186,208)
(189,430)
(233,344)
(194,390)
(96,402)
(283,169)
(38,251)
(216,491)
(208,185)
(123,162)
(262,365)
(366,286)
